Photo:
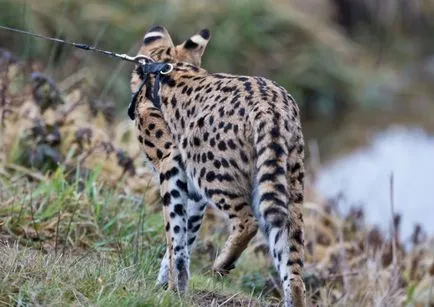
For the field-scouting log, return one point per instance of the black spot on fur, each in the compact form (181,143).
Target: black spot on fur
(225,163)
(212,192)
(210,176)
(222,146)
(277,222)
(275,132)
(181,185)
(202,172)
(279,254)
(195,218)
(296,261)
(234,163)
(196,141)
(171,173)
(201,122)
(159,133)
(175,193)
(195,197)
(166,79)
(277,148)
(296,167)
(267,177)
(205,136)
(149,144)
(159,154)
(298,237)
(244,157)
(231,144)
(225,177)
(298,198)
(217,164)
(276,238)
(179,209)
(275,214)
(156,115)
(240,207)
(280,188)
(166,199)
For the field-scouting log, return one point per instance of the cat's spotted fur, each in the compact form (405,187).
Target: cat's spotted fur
(234,141)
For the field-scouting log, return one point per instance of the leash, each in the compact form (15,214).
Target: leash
(86,47)
(158,69)
(147,66)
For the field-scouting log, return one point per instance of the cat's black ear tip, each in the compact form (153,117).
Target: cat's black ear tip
(205,33)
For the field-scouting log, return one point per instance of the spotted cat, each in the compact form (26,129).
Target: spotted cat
(231,141)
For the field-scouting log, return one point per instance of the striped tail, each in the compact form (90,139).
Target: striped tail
(278,198)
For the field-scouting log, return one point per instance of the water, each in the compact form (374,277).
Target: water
(364,178)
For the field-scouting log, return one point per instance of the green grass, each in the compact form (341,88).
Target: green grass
(81,213)
(63,242)
(30,277)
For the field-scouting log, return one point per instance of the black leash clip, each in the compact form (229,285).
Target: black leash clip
(157,69)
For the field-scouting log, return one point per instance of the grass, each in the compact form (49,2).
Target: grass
(65,244)
(86,214)
(30,277)
(33,278)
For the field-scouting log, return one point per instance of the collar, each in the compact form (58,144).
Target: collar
(147,69)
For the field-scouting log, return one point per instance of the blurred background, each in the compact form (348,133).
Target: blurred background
(362,72)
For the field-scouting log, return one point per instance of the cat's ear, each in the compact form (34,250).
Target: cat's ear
(193,48)
(157,36)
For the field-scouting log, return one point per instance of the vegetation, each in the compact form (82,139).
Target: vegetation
(80,219)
